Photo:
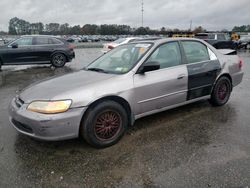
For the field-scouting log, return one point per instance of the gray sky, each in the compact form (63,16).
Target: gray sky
(212,14)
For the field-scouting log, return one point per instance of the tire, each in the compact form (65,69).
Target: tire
(97,128)
(221,92)
(58,60)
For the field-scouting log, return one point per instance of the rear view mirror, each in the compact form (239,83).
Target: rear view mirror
(14,45)
(149,66)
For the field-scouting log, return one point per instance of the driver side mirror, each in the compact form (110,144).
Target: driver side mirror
(149,66)
(14,45)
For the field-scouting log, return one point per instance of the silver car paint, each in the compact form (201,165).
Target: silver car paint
(146,94)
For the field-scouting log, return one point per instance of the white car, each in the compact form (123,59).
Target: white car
(118,42)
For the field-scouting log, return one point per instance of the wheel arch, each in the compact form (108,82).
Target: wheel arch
(224,75)
(123,102)
(59,52)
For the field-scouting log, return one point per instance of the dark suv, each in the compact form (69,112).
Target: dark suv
(218,40)
(37,50)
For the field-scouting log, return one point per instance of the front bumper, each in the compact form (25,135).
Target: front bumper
(50,127)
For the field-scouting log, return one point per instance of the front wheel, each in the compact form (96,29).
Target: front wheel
(221,92)
(105,124)
(58,60)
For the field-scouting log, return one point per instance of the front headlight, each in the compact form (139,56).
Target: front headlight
(49,107)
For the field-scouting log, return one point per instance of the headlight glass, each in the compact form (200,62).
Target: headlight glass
(49,107)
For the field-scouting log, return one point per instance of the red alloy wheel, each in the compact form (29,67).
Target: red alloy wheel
(108,125)
(223,91)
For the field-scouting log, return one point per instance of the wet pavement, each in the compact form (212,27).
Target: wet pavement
(192,146)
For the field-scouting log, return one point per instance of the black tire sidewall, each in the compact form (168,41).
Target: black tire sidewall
(87,127)
(214,97)
(55,65)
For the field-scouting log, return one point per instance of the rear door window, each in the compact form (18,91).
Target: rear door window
(195,51)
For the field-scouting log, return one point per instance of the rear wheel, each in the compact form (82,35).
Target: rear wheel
(221,92)
(58,60)
(105,124)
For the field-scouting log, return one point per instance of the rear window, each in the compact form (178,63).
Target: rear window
(54,41)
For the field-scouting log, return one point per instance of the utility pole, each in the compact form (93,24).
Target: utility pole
(142,12)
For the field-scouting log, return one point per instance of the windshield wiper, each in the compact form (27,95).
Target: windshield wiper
(97,70)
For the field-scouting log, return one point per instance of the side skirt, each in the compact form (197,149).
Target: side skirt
(171,107)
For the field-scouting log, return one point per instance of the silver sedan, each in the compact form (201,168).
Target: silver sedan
(131,81)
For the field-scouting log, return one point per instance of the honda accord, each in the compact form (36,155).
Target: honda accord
(131,81)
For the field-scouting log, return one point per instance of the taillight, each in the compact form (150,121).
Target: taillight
(110,47)
(71,46)
(240,63)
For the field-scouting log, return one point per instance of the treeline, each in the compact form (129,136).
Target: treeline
(19,26)
(243,28)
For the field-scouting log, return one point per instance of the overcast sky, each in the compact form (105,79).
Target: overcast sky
(211,14)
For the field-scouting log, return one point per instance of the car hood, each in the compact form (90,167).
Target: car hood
(49,89)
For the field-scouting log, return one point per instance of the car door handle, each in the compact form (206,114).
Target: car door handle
(181,76)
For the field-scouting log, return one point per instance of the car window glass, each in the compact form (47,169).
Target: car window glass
(211,55)
(121,59)
(24,41)
(195,51)
(54,41)
(167,55)
(202,36)
(211,36)
(221,37)
(41,41)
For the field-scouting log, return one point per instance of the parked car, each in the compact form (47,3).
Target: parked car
(84,39)
(118,42)
(37,50)
(244,41)
(218,40)
(131,81)
(70,39)
(1,41)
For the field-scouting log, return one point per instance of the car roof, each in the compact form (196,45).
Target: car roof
(40,36)
(163,40)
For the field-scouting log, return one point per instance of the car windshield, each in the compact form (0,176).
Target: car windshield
(121,59)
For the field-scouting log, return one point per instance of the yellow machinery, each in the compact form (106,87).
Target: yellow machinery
(183,35)
(235,37)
